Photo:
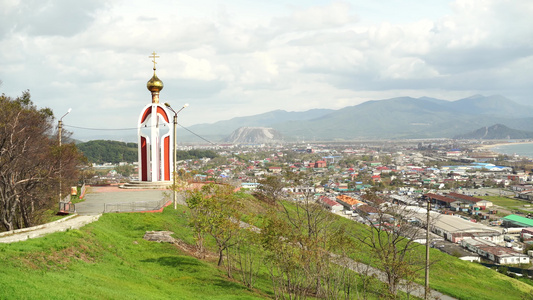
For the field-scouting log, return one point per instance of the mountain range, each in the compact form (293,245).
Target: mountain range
(396,118)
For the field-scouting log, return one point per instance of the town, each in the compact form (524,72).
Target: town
(480,200)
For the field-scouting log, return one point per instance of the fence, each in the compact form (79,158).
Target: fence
(516,270)
(83,189)
(135,206)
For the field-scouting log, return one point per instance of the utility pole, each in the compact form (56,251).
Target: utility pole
(59,129)
(175,158)
(426,290)
(175,150)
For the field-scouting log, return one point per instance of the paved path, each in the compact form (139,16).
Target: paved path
(86,212)
(97,197)
(70,222)
(410,288)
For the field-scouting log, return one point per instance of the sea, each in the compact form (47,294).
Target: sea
(525,149)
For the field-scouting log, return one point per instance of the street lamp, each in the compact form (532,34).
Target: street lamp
(59,127)
(175,148)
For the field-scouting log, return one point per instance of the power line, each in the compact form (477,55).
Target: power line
(103,129)
(115,129)
(195,134)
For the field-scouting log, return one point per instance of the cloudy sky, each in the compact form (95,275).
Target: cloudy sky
(237,58)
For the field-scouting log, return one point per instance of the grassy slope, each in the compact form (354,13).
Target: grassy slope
(109,259)
(461,279)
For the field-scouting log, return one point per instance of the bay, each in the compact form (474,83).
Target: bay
(525,149)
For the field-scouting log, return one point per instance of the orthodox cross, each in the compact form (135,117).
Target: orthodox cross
(154,56)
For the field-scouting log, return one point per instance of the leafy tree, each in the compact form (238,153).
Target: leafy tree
(31,162)
(101,151)
(125,170)
(215,211)
(270,189)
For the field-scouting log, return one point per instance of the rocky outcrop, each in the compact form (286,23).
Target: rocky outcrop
(254,135)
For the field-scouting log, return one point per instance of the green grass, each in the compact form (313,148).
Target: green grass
(109,259)
(466,280)
(508,203)
(505,202)
(452,276)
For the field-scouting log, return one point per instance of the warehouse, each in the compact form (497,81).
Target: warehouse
(516,221)
(455,229)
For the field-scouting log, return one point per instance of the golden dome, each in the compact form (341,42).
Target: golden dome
(154,84)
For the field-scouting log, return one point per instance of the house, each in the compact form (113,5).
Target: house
(441,201)
(320,164)
(367,210)
(275,170)
(332,205)
(454,153)
(301,189)
(527,235)
(249,185)
(348,202)
(526,195)
(493,252)
(522,187)
(470,201)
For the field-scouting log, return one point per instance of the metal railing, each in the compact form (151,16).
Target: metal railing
(136,206)
(66,207)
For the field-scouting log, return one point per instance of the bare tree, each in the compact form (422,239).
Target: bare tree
(390,237)
(299,237)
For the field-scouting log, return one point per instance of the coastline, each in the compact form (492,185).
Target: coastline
(489,147)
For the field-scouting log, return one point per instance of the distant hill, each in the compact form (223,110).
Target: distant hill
(254,135)
(396,118)
(218,131)
(496,132)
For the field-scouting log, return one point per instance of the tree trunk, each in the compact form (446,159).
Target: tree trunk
(220,257)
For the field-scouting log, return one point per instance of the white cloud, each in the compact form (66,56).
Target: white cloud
(316,17)
(245,58)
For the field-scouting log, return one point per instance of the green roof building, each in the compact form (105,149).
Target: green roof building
(517,221)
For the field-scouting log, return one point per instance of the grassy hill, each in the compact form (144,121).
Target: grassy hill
(109,259)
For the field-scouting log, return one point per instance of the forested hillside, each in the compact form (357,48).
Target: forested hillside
(102,151)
